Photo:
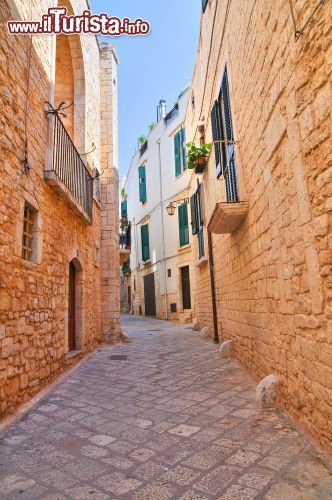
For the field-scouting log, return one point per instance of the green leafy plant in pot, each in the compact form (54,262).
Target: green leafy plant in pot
(198,156)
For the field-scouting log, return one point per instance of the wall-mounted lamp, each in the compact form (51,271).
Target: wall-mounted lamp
(171,209)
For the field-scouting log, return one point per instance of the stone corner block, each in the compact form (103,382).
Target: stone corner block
(267,391)
(205,334)
(226,349)
(196,326)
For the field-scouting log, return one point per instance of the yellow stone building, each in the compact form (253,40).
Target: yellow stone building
(59,285)
(261,91)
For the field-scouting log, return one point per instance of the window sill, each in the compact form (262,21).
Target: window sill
(145,262)
(203,260)
(73,354)
(28,263)
(184,247)
(181,175)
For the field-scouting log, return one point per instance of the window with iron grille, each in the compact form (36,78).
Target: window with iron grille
(223,138)
(29,220)
(197,219)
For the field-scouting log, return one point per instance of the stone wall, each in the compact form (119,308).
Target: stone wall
(34,295)
(273,275)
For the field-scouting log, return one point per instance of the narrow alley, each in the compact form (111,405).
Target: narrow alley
(160,417)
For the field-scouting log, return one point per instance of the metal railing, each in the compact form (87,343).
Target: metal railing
(70,168)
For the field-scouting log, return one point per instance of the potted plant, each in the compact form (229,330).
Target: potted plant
(198,156)
(141,139)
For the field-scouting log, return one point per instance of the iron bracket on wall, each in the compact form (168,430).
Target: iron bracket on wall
(298,32)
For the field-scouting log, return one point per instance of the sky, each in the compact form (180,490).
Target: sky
(153,67)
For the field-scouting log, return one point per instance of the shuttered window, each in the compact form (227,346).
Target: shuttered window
(145,242)
(180,152)
(124,211)
(183,225)
(197,219)
(142,184)
(222,130)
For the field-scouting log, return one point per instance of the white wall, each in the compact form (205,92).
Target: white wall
(154,209)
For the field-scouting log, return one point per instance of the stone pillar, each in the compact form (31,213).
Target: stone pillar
(109,251)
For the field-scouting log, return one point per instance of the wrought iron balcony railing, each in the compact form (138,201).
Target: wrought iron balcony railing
(69,167)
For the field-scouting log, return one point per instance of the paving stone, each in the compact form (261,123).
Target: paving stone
(174,422)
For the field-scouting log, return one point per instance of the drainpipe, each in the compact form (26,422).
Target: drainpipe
(213,289)
(162,227)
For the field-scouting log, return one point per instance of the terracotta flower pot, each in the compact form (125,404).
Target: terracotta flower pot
(200,164)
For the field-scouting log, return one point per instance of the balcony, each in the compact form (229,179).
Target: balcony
(66,172)
(228,217)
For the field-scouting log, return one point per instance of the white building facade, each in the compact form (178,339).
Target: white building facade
(160,259)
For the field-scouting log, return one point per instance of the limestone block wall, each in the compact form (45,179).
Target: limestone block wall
(34,295)
(273,275)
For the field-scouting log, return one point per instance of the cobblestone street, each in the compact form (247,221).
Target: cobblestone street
(162,417)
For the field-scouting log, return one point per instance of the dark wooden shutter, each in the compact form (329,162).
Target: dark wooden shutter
(145,242)
(193,208)
(177,153)
(142,184)
(183,224)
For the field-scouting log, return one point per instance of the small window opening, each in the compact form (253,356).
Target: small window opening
(29,220)
(169,273)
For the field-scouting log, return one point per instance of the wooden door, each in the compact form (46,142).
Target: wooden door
(71,308)
(185,282)
(149,295)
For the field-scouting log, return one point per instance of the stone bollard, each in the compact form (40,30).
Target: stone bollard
(267,391)
(205,333)
(226,349)
(196,326)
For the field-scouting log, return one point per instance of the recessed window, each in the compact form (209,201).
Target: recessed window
(29,221)
(169,273)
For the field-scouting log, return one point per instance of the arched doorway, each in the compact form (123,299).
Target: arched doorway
(75,306)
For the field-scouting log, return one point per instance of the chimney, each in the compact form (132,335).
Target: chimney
(161,110)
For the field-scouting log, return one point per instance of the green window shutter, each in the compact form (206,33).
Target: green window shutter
(124,211)
(145,242)
(183,225)
(193,207)
(177,154)
(183,149)
(142,184)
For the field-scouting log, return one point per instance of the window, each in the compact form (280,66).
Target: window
(142,184)
(134,285)
(29,220)
(223,138)
(145,242)
(183,224)
(124,211)
(180,152)
(197,219)
(169,273)
(204,4)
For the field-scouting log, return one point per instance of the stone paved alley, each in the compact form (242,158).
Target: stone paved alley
(172,420)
